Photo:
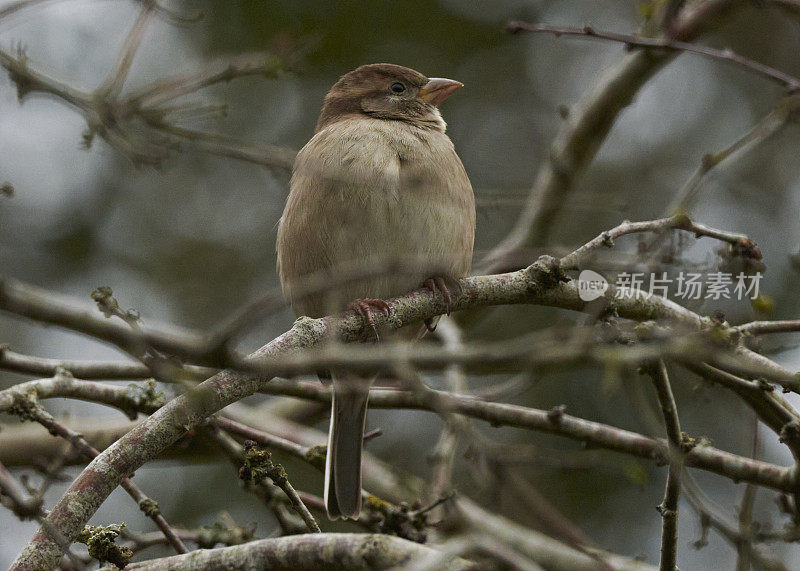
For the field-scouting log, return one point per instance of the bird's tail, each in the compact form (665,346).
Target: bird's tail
(345,440)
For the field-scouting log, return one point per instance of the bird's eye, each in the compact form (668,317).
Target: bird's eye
(398,87)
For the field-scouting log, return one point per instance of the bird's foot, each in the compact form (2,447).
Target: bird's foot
(448,292)
(365,307)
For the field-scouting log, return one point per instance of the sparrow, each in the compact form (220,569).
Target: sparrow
(379,182)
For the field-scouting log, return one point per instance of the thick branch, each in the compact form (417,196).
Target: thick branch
(131,400)
(314,551)
(540,283)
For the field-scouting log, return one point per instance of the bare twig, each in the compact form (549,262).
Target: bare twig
(258,465)
(789,81)
(746,511)
(669,507)
(112,86)
(584,130)
(712,517)
(87,369)
(678,222)
(592,434)
(771,124)
(542,283)
(30,409)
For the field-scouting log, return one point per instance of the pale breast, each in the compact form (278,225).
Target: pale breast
(366,193)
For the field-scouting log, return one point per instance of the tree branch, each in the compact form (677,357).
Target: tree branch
(584,130)
(318,550)
(790,82)
(539,283)
(669,506)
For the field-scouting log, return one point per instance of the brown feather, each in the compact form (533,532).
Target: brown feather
(379,182)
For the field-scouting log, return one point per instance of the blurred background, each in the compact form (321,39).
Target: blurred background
(191,241)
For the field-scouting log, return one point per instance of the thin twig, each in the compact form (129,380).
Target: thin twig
(770,125)
(288,518)
(787,80)
(678,222)
(669,507)
(746,511)
(32,410)
(712,517)
(583,132)
(541,283)
(112,86)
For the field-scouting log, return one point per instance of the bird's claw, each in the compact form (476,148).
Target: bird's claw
(440,283)
(365,307)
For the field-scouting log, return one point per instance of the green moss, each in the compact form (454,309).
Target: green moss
(101,543)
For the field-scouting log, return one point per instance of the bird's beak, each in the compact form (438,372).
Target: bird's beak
(438,89)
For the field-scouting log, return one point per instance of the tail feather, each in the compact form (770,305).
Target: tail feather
(345,440)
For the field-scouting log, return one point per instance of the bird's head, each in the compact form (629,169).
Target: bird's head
(387,91)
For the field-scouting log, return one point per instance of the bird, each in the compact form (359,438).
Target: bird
(378,183)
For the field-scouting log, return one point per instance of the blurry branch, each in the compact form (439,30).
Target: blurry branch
(545,513)
(177,18)
(267,155)
(44,307)
(786,110)
(204,537)
(746,509)
(538,547)
(584,130)
(669,507)
(765,327)
(27,445)
(442,457)
(713,518)
(319,550)
(771,408)
(15,498)
(790,82)
(30,506)
(112,86)
(86,369)
(27,407)
(137,125)
(541,283)
(15,7)
(222,70)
